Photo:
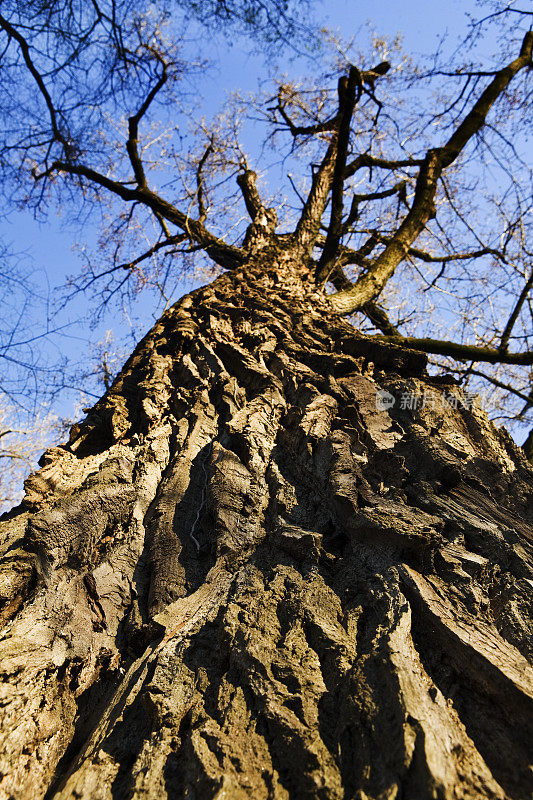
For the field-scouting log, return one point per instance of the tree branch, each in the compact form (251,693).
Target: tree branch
(303,130)
(422,255)
(349,93)
(333,170)
(92,175)
(177,239)
(505,386)
(399,189)
(226,255)
(25,49)
(506,335)
(378,317)
(461,352)
(202,212)
(132,145)
(423,209)
(366,160)
(359,257)
(484,251)
(309,223)
(247,184)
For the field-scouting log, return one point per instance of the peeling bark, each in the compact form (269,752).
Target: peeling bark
(242,579)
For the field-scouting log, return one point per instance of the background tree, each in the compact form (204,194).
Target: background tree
(249,572)
(20,447)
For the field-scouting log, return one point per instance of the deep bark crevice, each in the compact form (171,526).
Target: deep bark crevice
(478,694)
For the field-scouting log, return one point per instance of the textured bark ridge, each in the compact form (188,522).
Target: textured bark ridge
(240,579)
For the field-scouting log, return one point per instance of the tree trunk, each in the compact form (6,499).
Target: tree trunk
(243,578)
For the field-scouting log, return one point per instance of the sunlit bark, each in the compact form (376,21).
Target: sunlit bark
(244,577)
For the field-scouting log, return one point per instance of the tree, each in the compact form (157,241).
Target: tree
(21,444)
(261,567)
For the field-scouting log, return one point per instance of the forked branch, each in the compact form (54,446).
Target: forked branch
(225,255)
(332,173)
(13,33)
(422,210)
(350,88)
(301,130)
(132,145)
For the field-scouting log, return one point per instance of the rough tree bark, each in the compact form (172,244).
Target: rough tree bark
(240,579)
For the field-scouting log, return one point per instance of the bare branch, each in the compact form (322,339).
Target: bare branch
(378,317)
(462,352)
(484,251)
(422,255)
(309,223)
(92,175)
(132,145)
(366,160)
(495,382)
(25,49)
(399,189)
(226,255)
(303,130)
(350,88)
(423,209)
(202,212)
(247,184)
(506,335)
(172,240)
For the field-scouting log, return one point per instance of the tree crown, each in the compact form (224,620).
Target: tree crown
(387,160)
